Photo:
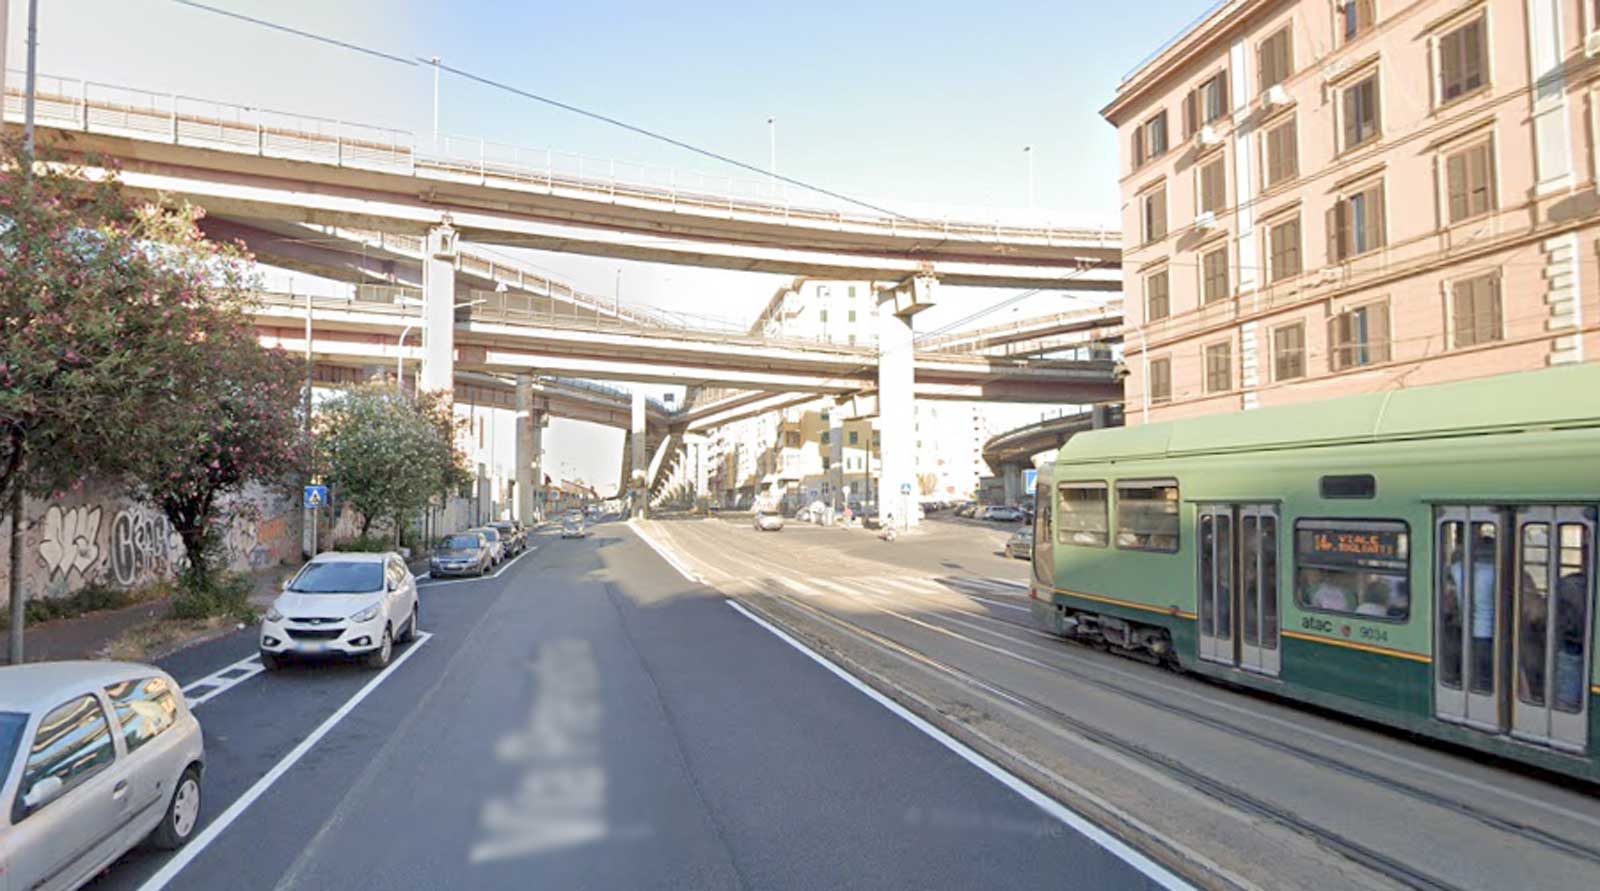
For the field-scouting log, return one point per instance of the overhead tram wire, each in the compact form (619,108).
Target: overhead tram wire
(418,61)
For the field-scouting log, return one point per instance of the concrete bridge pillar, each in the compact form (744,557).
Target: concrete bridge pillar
(1011,478)
(897,486)
(439,312)
(530,451)
(638,480)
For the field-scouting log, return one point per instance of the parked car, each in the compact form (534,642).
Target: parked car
(999,513)
(465,553)
(497,545)
(573,526)
(98,757)
(968,509)
(768,522)
(1020,544)
(343,604)
(515,541)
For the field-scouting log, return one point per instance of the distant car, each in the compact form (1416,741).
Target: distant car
(768,522)
(1020,544)
(98,758)
(573,526)
(515,542)
(1001,514)
(497,545)
(343,604)
(968,509)
(465,553)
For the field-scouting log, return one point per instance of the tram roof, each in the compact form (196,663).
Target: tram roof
(1553,397)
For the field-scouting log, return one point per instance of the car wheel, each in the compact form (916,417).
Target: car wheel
(411,625)
(270,661)
(379,658)
(183,813)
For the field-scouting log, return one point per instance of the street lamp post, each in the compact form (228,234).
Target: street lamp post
(772,149)
(1028,150)
(435,61)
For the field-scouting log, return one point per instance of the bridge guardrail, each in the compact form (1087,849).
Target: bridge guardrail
(90,106)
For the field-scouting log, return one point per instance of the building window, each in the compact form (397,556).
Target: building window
(1213,187)
(1360,108)
(1277,58)
(1289,352)
(1355,224)
(1360,336)
(1160,380)
(1214,275)
(1153,214)
(1284,244)
(1219,367)
(1150,140)
(822,316)
(854,437)
(827,437)
(1082,514)
(852,340)
(852,315)
(852,291)
(1355,18)
(791,439)
(826,463)
(1147,516)
(1283,153)
(1475,310)
(1157,305)
(824,291)
(1469,182)
(1205,103)
(1463,59)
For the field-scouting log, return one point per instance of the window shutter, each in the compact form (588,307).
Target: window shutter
(1470,67)
(1373,207)
(1378,331)
(1222,94)
(1352,121)
(1158,214)
(1138,146)
(1492,317)
(1456,185)
(1461,305)
(1450,66)
(1336,232)
(1478,187)
(1189,113)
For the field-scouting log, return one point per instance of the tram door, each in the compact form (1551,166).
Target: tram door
(1551,618)
(1470,630)
(1238,586)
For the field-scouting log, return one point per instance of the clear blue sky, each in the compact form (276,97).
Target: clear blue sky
(908,104)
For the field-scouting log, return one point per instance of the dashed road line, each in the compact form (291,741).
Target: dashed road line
(211,686)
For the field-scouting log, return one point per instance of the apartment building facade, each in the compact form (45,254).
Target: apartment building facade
(839,312)
(1324,197)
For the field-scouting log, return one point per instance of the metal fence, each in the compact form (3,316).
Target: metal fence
(90,106)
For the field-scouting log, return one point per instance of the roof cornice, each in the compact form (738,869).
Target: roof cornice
(1193,42)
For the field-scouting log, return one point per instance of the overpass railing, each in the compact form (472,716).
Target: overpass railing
(111,109)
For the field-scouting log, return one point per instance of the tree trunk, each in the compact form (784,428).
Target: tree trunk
(19,606)
(366,523)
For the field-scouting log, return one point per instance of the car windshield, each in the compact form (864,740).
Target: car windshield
(338,578)
(490,534)
(11,726)
(460,543)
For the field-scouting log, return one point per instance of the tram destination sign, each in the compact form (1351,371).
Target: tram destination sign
(1363,547)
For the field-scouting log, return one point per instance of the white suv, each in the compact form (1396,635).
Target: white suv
(343,605)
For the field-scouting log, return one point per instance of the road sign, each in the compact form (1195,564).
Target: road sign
(905,488)
(316,497)
(1030,481)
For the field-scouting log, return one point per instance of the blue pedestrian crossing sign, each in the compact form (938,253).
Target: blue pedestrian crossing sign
(905,488)
(316,497)
(1030,481)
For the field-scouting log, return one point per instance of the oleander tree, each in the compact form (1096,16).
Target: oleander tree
(388,453)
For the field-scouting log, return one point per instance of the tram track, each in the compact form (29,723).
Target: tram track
(1456,805)
(1221,791)
(1225,793)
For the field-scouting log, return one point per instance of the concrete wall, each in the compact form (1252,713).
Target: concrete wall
(97,534)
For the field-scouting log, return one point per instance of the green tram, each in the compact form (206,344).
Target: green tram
(1423,557)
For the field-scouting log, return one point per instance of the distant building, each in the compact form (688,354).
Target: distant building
(1323,198)
(840,312)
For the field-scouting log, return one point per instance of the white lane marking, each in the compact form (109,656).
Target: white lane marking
(188,852)
(933,586)
(435,583)
(1155,872)
(242,670)
(671,558)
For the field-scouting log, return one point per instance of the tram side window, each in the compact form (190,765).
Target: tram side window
(1083,519)
(1147,515)
(1358,568)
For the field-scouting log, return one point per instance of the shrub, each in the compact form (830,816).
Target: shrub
(221,594)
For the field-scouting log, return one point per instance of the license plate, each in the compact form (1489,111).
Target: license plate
(316,646)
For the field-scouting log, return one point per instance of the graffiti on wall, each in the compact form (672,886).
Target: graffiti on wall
(70,540)
(96,534)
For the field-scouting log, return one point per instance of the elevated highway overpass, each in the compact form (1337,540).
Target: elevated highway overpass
(250,164)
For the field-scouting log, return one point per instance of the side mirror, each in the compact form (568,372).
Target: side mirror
(391,586)
(42,793)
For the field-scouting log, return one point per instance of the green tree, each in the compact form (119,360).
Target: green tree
(89,306)
(387,453)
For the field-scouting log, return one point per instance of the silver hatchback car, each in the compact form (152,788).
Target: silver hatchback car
(99,756)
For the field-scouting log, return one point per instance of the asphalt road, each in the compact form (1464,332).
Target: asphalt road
(589,719)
